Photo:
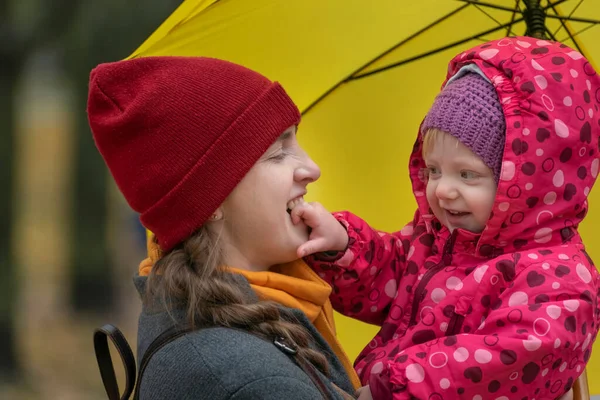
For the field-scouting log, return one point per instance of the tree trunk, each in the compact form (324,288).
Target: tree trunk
(92,287)
(9,366)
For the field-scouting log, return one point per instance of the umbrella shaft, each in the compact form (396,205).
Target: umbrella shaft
(535,19)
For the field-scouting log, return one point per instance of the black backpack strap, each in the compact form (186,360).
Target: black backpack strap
(107,371)
(167,336)
(309,369)
(105,364)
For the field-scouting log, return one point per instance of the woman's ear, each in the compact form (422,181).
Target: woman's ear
(217,215)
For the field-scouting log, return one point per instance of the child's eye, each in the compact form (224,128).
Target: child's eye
(468,175)
(431,172)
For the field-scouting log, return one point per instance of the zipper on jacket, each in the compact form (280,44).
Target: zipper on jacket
(455,324)
(420,290)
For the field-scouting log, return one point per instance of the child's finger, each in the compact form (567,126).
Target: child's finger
(312,246)
(296,213)
(301,212)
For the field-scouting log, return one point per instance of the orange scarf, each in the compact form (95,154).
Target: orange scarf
(292,285)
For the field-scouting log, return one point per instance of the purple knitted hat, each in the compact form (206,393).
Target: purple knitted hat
(468,108)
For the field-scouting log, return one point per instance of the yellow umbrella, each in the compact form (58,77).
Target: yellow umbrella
(364,75)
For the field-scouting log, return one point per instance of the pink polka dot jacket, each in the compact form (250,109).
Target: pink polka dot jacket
(512,312)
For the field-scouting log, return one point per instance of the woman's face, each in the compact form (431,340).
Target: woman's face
(256,229)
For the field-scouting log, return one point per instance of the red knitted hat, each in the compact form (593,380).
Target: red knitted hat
(179,133)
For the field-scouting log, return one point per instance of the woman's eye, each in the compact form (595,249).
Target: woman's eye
(280,156)
(277,157)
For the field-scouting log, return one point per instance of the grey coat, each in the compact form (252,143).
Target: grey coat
(221,363)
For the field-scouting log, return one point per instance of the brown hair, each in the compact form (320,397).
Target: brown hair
(192,274)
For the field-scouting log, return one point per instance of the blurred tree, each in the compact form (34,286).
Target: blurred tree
(87,32)
(10,62)
(24,26)
(102,31)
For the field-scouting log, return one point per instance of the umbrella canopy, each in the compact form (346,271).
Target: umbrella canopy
(364,74)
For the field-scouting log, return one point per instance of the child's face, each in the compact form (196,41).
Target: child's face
(460,187)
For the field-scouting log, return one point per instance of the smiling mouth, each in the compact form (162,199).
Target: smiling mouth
(293,203)
(457,213)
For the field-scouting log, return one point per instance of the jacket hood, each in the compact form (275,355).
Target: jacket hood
(550,96)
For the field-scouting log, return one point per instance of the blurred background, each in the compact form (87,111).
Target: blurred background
(69,245)
(364,75)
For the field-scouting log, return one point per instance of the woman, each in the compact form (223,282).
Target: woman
(206,151)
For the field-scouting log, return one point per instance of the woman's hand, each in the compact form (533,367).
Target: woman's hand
(327,234)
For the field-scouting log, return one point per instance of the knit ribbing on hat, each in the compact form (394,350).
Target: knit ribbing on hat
(179,133)
(468,109)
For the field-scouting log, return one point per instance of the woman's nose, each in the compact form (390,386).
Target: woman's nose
(308,171)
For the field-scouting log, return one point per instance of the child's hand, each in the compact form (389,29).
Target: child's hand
(364,393)
(327,234)
(567,396)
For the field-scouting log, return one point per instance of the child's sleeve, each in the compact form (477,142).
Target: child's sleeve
(534,343)
(373,261)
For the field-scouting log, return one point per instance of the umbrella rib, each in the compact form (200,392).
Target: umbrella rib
(564,25)
(508,25)
(570,15)
(550,33)
(401,43)
(579,32)
(489,5)
(512,18)
(488,15)
(497,7)
(414,35)
(574,19)
(426,54)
